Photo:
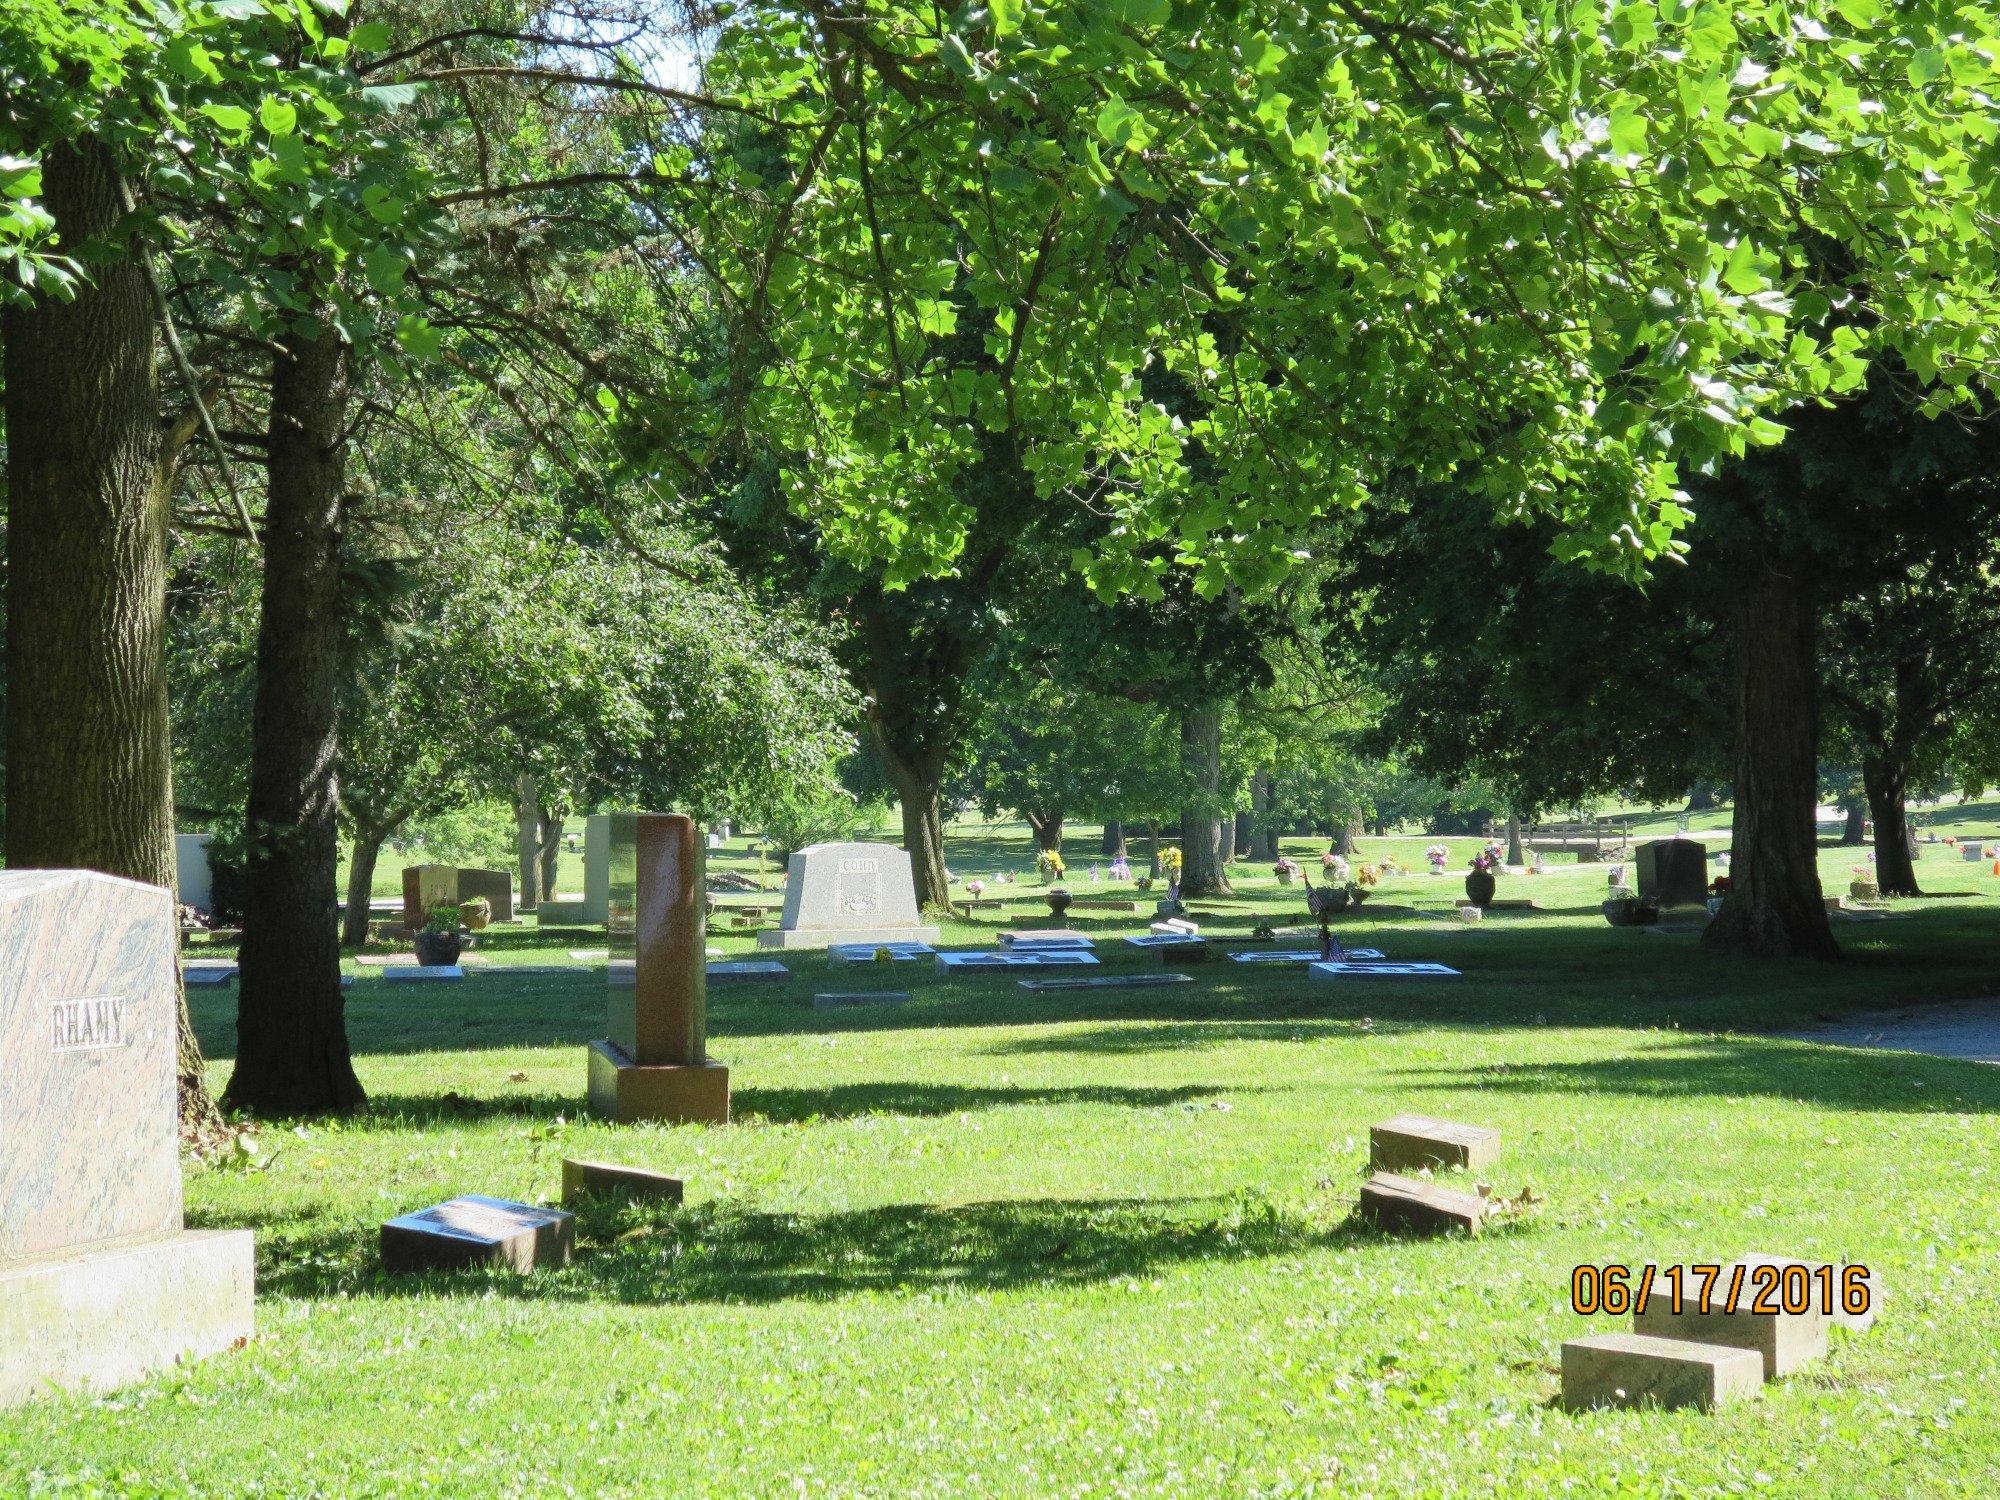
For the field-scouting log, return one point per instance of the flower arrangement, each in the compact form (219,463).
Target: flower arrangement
(1367,875)
(975,887)
(1490,860)
(1438,855)
(1121,869)
(1050,864)
(1616,878)
(1719,886)
(1170,862)
(1286,869)
(1336,869)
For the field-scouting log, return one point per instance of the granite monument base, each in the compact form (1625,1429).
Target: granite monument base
(678,1094)
(113,1316)
(826,937)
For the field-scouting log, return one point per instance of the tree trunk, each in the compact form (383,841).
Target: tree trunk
(1263,828)
(527,843)
(1153,848)
(89,776)
(1854,832)
(1702,798)
(1245,833)
(1343,838)
(1226,837)
(1113,845)
(368,839)
(1201,826)
(1895,871)
(292,1055)
(1515,854)
(1774,908)
(549,850)
(1048,829)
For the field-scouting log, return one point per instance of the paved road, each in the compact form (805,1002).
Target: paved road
(1956,1028)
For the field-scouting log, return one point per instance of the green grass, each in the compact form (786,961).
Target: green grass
(1099,1243)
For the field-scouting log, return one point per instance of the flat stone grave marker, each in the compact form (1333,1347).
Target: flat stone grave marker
(1297,955)
(848,999)
(1636,1370)
(848,893)
(1047,938)
(1784,1341)
(1031,958)
(1103,903)
(1175,927)
(1859,1322)
(592,1179)
(752,968)
(1410,1203)
(208,975)
(1411,1142)
(1348,969)
(1163,940)
(1106,982)
(586,955)
(101,1283)
(423,974)
(405,960)
(476,1230)
(868,953)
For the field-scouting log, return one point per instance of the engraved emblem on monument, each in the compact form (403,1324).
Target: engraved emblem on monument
(857,890)
(89,1025)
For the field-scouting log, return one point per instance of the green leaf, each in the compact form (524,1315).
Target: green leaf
(1007,15)
(1122,125)
(277,116)
(1141,12)
(1628,130)
(228,118)
(369,36)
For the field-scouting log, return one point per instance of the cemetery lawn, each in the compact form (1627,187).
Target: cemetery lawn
(1098,1242)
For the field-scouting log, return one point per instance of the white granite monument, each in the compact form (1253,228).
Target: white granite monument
(848,893)
(100,1283)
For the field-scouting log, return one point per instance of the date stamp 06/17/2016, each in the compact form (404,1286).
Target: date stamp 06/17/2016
(1760,1289)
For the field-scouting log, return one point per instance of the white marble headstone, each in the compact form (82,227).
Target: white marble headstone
(849,893)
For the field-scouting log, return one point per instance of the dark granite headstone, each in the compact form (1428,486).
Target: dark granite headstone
(426,886)
(497,886)
(99,1282)
(1673,872)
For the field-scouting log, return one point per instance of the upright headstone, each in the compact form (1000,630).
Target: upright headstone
(193,879)
(654,1064)
(426,886)
(848,893)
(497,886)
(100,1284)
(1673,872)
(597,866)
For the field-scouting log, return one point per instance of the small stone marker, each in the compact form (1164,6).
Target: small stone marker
(749,968)
(1340,968)
(845,999)
(1296,955)
(1853,1322)
(101,1283)
(1106,982)
(1412,1142)
(393,960)
(1029,958)
(868,953)
(1635,1369)
(1186,951)
(1423,1207)
(590,1179)
(1175,927)
(198,976)
(1056,938)
(423,973)
(478,1231)
(1784,1341)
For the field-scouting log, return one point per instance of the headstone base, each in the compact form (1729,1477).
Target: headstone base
(104,1320)
(826,937)
(625,1092)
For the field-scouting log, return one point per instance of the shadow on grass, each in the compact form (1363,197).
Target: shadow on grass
(1831,1077)
(721,1253)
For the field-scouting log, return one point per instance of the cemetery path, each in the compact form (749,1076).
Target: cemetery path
(1967,1029)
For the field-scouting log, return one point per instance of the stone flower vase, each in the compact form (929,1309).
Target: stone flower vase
(438,949)
(1284,877)
(1058,900)
(1479,888)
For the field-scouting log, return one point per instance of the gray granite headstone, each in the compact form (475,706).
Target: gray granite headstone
(99,1282)
(1673,872)
(849,893)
